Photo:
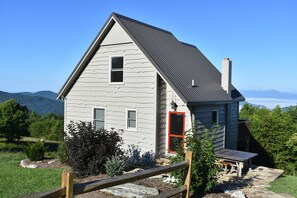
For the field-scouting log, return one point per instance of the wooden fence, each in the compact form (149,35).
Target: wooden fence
(69,189)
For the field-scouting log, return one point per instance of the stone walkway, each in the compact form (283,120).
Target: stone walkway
(253,184)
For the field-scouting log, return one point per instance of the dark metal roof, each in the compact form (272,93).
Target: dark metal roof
(178,63)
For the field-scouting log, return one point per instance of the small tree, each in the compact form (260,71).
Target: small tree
(204,170)
(13,120)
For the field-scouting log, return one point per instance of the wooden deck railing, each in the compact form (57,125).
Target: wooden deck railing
(69,189)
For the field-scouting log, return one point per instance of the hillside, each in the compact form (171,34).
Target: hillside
(42,102)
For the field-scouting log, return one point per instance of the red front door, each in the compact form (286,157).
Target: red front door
(176,129)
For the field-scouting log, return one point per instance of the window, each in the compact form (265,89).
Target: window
(215,117)
(116,69)
(176,130)
(99,118)
(131,119)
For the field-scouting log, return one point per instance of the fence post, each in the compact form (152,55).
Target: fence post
(67,181)
(188,174)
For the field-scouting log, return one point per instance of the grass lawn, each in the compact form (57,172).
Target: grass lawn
(18,146)
(16,181)
(285,184)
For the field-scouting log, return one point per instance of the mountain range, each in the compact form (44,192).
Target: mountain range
(42,102)
(268,94)
(269,98)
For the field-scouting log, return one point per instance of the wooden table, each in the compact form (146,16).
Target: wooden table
(239,157)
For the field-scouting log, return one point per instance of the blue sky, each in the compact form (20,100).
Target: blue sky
(42,41)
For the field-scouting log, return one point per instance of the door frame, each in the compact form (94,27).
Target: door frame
(173,135)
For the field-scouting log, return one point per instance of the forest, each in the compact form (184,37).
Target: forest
(273,136)
(17,121)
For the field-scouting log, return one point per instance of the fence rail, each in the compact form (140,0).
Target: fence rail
(69,189)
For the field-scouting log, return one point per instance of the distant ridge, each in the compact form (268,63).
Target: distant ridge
(42,102)
(269,98)
(268,94)
(45,94)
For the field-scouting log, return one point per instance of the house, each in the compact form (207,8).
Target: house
(141,79)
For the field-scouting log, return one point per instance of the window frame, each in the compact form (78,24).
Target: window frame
(93,114)
(111,70)
(127,120)
(217,117)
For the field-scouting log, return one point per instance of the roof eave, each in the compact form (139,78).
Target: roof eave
(85,58)
(151,59)
(193,103)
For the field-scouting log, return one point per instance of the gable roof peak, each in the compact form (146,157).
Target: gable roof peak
(139,22)
(177,62)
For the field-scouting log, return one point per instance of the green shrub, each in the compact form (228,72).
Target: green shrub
(50,126)
(115,166)
(62,153)
(292,148)
(204,170)
(89,149)
(271,131)
(35,151)
(136,159)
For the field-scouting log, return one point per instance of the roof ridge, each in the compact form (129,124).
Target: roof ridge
(141,23)
(188,44)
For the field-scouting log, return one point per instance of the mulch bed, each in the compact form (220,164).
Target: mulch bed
(148,182)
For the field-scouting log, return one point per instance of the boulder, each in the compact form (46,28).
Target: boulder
(238,194)
(26,164)
(130,190)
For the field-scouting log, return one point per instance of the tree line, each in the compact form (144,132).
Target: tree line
(17,121)
(273,136)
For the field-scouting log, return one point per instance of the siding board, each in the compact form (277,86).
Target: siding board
(93,89)
(203,118)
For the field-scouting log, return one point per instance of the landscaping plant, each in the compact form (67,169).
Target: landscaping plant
(89,149)
(35,151)
(62,153)
(137,159)
(115,166)
(204,170)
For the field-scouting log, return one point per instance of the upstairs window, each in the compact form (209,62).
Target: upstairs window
(99,118)
(215,117)
(131,119)
(116,69)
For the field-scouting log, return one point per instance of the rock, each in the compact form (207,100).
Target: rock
(238,194)
(51,161)
(130,190)
(32,166)
(136,170)
(163,161)
(26,164)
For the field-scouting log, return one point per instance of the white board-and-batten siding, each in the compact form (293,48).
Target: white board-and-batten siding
(93,89)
